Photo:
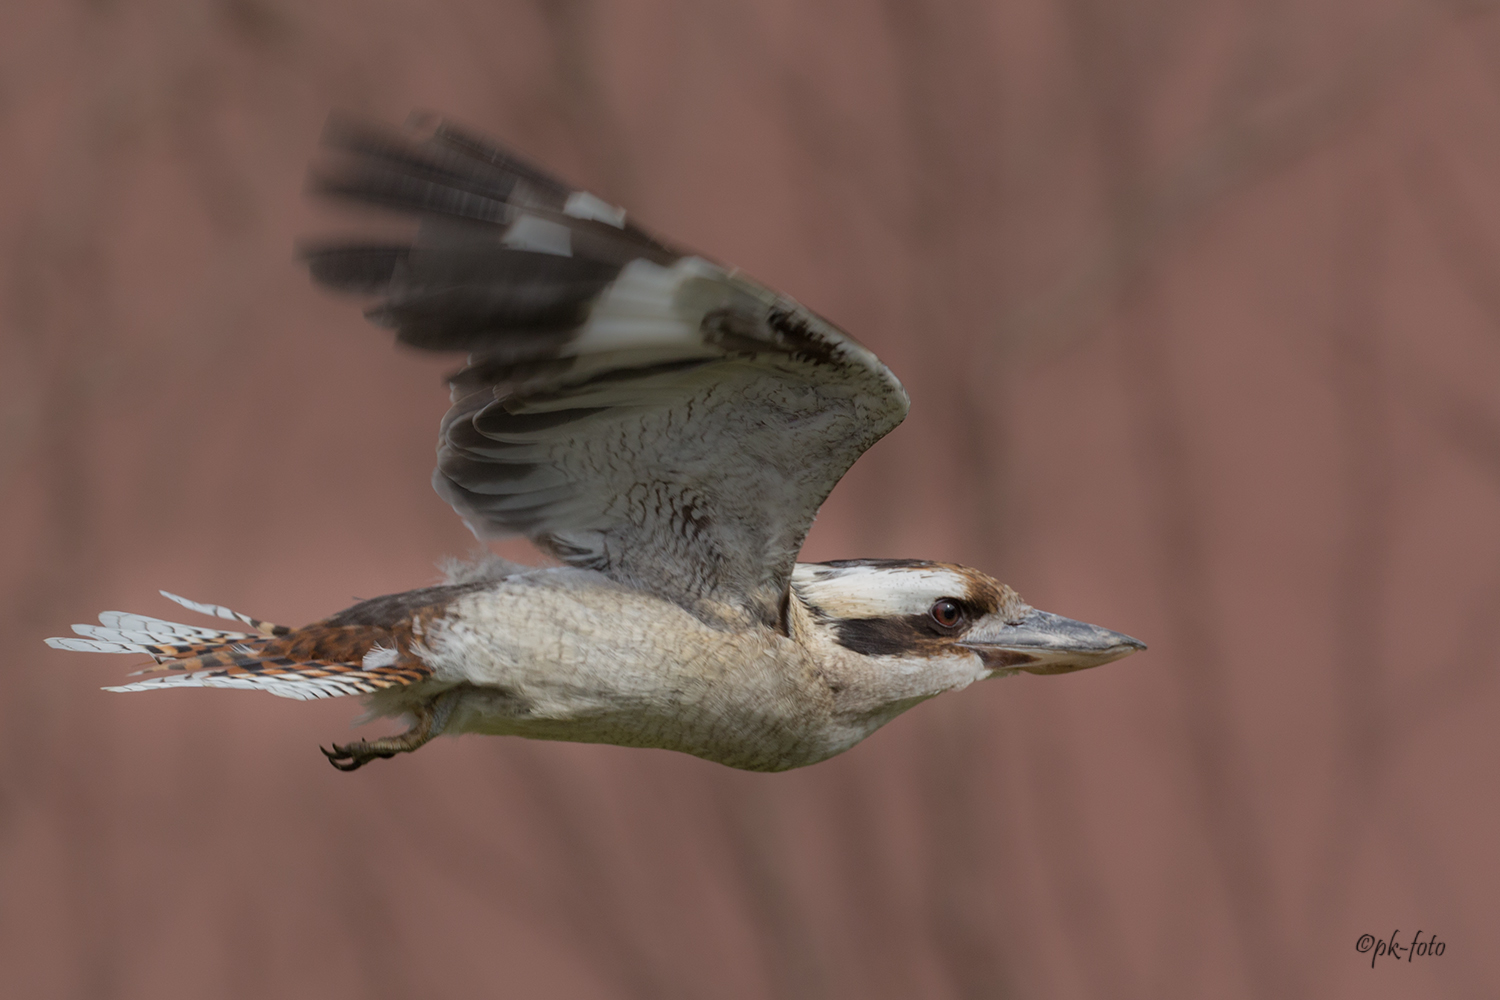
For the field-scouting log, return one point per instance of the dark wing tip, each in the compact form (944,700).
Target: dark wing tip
(362,269)
(504,263)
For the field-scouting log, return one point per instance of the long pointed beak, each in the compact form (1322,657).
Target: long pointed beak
(1043,643)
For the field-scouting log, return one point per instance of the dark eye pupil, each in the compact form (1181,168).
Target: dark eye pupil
(946,613)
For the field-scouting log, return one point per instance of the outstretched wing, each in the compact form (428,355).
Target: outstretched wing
(632,408)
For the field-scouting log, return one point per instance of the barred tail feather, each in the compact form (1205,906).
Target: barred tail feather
(219,611)
(302,681)
(318,661)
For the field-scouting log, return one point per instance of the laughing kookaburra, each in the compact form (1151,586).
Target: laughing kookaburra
(666,428)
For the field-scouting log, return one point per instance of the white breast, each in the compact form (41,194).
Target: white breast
(569,654)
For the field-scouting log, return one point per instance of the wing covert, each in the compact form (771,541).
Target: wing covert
(630,407)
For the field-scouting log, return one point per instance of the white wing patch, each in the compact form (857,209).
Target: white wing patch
(643,308)
(582,205)
(539,235)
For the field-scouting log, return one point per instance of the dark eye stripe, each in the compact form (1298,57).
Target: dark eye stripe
(898,635)
(887,636)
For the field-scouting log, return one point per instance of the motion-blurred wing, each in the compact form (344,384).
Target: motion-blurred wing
(631,408)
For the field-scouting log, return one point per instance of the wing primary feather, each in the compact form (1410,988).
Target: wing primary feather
(383,165)
(357,268)
(474,147)
(526,308)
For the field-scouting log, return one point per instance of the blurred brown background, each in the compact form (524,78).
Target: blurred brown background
(1199,308)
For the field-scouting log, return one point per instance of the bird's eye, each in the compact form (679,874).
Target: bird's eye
(946,613)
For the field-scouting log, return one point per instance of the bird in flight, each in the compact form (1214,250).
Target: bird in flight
(667,429)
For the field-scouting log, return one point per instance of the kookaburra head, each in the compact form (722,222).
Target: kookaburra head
(922,628)
(666,428)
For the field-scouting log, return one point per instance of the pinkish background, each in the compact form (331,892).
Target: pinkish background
(1199,308)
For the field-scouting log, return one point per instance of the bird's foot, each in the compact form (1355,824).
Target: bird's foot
(352,756)
(431,718)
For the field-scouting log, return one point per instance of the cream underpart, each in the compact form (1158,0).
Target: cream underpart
(568,654)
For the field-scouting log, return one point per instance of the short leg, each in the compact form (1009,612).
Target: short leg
(431,720)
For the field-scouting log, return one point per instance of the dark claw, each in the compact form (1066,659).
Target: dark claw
(345,758)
